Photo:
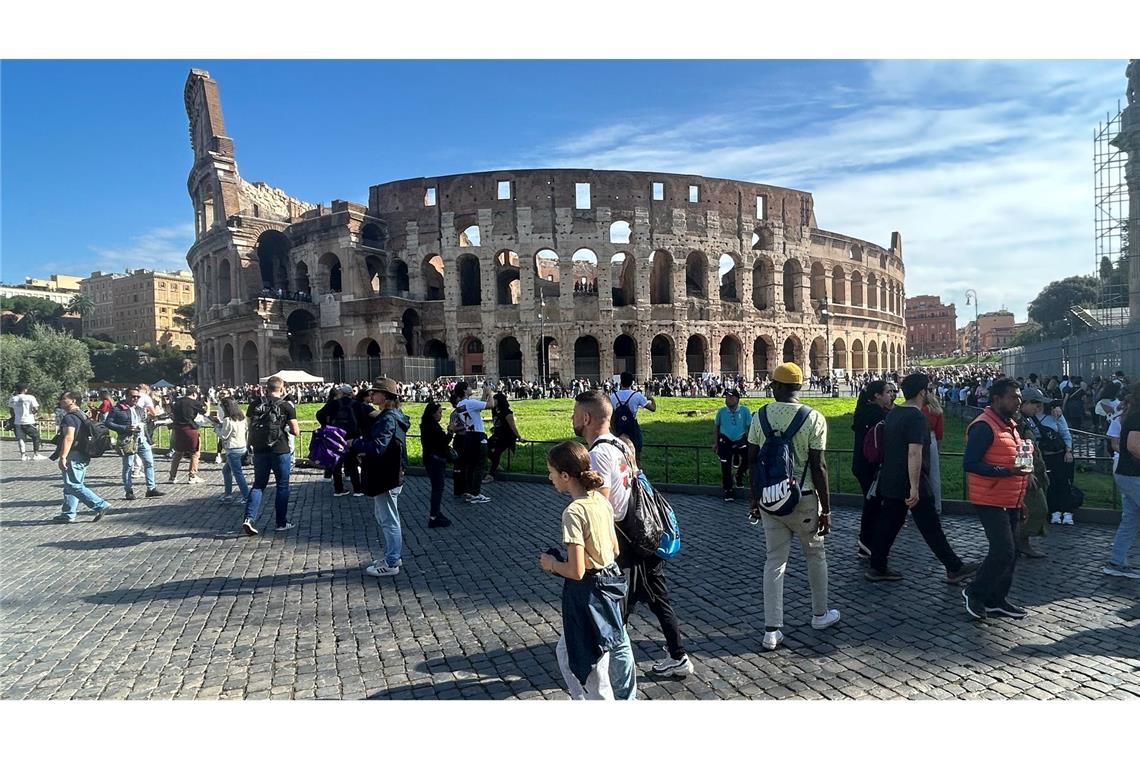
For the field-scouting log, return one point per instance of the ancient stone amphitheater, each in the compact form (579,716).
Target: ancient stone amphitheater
(525,273)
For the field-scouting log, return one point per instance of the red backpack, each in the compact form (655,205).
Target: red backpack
(873,444)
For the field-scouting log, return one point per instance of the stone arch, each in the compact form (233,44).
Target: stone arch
(763,351)
(272,252)
(250,367)
(507,282)
(471,351)
(623,279)
(547,274)
(856,288)
(470,280)
(696,354)
(625,354)
(225,282)
(839,354)
(763,239)
(229,369)
(696,275)
(817,356)
(728,275)
(872,291)
(510,357)
(301,283)
(620,232)
(793,351)
(883,294)
(411,328)
(584,265)
(332,354)
(763,283)
(731,355)
(818,282)
(374,266)
(431,269)
(660,277)
(661,355)
(549,362)
(332,276)
(372,235)
(469,237)
(793,285)
(435,349)
(369,350)
(587,358)
(398,273)
(857,357)
(873,356)
(838,285)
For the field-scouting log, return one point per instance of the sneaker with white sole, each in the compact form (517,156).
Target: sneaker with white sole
(772,639)
(194,480)
(826,620)
(247,526)
(1120,571)
(1008,609)
(670,667)
(1055,519)
(1067,518)
(382,570)
(25,457)
(479,499)
(973,605)
(341,493)
(38,458)
(283,528)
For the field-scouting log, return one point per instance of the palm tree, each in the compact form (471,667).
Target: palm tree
(81,305)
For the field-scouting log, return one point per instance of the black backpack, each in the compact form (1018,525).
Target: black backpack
(267,424)
(98,439)
(624,420)
(647,516)
(345,417)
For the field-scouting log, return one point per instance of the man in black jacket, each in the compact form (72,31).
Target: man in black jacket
(385,453)
(128,419)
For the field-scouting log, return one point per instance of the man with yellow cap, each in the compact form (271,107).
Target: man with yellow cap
(810,517)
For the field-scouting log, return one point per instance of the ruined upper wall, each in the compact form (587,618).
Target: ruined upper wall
(266,202)
(544,190)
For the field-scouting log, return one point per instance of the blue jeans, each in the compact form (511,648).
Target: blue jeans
(146,453)
(388,515)
(74,491)
(231,471)
(280,465)
(1129,518)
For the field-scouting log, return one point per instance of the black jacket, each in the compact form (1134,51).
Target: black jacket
(865,419)
(435,440)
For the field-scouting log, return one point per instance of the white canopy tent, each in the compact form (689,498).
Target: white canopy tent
(294,376)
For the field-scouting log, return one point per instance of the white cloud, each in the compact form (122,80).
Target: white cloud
(159,248)
(984,166)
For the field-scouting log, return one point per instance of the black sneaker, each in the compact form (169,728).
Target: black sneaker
(63,518)
(1008,609)
(966,571)
(973,606)
(99,514)
(130,496)
(438,522)
(889,575)
(863,552)
(151,493)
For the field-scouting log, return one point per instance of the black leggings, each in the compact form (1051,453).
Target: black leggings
(647,583)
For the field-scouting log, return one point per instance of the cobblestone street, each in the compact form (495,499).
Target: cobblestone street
(167,599)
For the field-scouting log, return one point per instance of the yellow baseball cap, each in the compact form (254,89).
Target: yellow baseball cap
(789,373)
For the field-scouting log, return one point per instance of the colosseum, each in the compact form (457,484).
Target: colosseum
(524,273)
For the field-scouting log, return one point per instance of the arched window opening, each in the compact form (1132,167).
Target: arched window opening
(585,268)
(729,269)
(620,232)
(623,277)
(432,272)
(696,275)
(470,280)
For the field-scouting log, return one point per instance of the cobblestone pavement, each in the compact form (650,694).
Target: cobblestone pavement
(166,598)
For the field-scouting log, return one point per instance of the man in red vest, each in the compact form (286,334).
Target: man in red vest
(997,477)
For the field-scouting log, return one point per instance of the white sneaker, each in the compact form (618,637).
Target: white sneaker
(772,639)
(283,528)
(1121,571)
(1067,519)
(38,458)
(826,620)
(1055,519)
(195,481)
(382,570)
(479,499)
(25,457)
(670,667)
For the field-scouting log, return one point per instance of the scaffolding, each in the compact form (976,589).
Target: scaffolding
(1110,225)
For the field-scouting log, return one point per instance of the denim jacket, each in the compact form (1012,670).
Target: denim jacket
(591,618)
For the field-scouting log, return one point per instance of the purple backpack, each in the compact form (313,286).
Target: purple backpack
(327,446)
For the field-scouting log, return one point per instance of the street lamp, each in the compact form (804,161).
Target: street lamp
(825,315)
(542,338)
(971,293)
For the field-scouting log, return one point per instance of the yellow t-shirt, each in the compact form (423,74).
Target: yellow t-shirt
(589,523)
(813,435)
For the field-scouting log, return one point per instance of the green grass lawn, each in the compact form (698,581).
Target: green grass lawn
(678,443)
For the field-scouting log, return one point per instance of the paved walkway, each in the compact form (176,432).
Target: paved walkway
(165,598)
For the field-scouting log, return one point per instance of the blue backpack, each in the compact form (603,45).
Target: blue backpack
(670,543)
(775,489)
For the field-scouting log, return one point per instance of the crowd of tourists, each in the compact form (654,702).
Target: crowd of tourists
(1017,449)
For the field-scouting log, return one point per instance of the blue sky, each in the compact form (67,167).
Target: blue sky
(985,167)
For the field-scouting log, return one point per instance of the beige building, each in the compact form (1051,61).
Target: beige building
(57,288)
(139,307)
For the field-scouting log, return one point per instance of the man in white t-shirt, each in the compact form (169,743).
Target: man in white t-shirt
(626,403)
(610,458)
(24,407)
(471,443)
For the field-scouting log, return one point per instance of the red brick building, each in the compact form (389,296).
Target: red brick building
(931,328)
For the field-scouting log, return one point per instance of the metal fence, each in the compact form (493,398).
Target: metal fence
(1095,353)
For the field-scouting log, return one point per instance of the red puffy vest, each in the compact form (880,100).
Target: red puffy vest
(1007,492)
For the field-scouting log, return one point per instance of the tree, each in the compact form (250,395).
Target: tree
(1027,335)
(36,310)
(184,317)
(81,305)
(49,361)
(1050,308)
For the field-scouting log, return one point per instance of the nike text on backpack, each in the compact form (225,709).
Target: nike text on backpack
(873,444)
(327,446)
(775,488)
(650,525)
(267,425)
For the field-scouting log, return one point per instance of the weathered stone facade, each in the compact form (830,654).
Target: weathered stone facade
(656,273)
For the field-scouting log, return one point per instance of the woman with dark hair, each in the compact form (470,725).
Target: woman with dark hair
(504,433)
(232,432)
(437,452)
(875,400)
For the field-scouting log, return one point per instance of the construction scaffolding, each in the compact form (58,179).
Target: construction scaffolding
(1111,226)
